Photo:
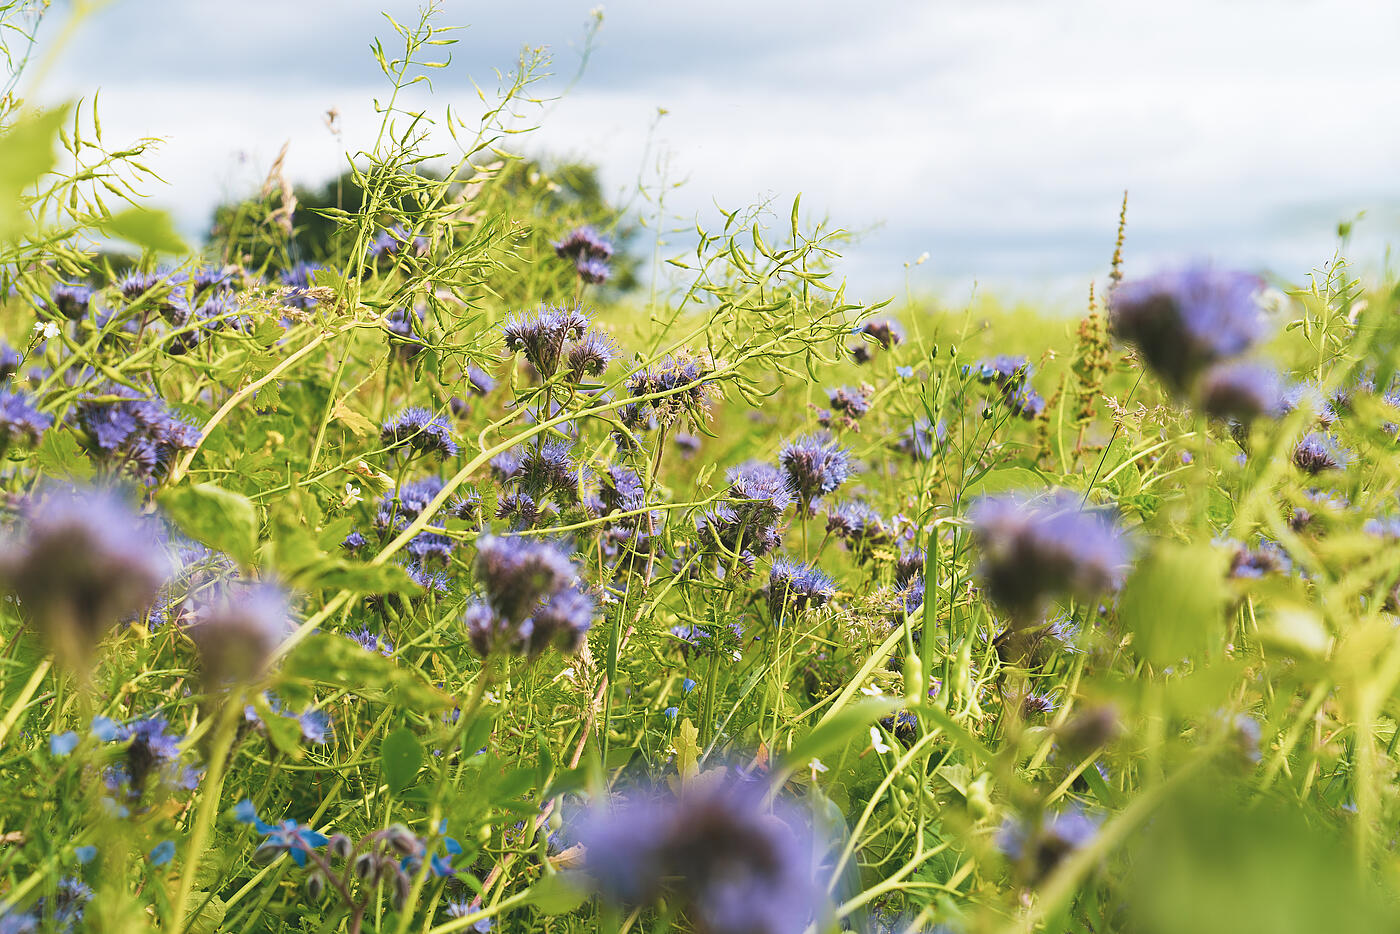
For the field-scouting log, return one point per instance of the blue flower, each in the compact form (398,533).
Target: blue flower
(20,421)
(922,440)
(816,466)
(1037,849)
(671,712)
(543,336)
(162,853)
(238,632)
(519,573)
(85,854)
(592,271)
(62,744)
(421,430)
(688,685)
(315,726)
(1242,391)
(286,837)
(71,300)
(793,586)
(1319,452)
(583,243)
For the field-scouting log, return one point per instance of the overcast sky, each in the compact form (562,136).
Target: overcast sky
(996,136)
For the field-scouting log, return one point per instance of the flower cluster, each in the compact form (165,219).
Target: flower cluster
(1037,848)
(530,600)
(666,391)
(418,429)
(132,434)
(794,587)
(550,337)
(1011,376)
(239,630)
(815,466)
(589,253)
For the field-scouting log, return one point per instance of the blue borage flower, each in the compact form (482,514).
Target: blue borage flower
(1036,548)
(420,429)
(81,561)
(20,421)
(543,336)
(793,587)
(162,853)
(815,466)
(286,837)
(316,726)
(732,861)
(62,744)
(1036,849)
(1318,452)
(1184,320)
(1239,390)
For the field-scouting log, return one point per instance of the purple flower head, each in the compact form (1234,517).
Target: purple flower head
(1024,402)
(432,582)
(421,430)
(681,378)
(152,748)
(549,469)
(621,490)
(1240,390)
(687,443)
(1037,849)
(885,331)
(81,561)
(815,466)
(1319,452)
(909,565)
(583,243)
(1253,563)
(590,355)
(858,525)
(520,508)
(520,573)
(372,642)
(748,520)
(730,862)
(795,587)
(1034,549)
(850,402)
(481,382)
(216,278)
(593,271)
(129,432)
(238,632)
(543,336)
(1007,371)
(70,300)
(20,421)
(354,541)
(315,726)
(922,440)
(563,621)
(431,548)
(1184,320)
(10,361)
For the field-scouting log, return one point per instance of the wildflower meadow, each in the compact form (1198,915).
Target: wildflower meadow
(460,554)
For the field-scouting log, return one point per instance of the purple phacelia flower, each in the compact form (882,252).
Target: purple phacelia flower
(480,381)
(1035,549)
(1319,452)
(239,631)
(858,525)
(81,561)
(794,587)
(547,469)
(372,642)
(681,378)
(70,300)
(1184,320)
(851,402)
(885,332)
(720,852)
(590,355)
(1036,850)
(20,421)
(621,490)
(583,243)
(132,433)
(815,466)
(592,271)
(518,574)
(421,430)
(543,336)
(562,621)
(1241,391)
(299,278)
(922,440)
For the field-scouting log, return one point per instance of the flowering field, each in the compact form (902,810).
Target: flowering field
(457,580)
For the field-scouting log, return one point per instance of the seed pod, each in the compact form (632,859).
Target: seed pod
(339,846)
(267,852)
(403,840)
(315,886)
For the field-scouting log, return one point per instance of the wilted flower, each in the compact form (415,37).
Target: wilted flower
(733,865)
(421,430)
(1184,320)
(82,561)
(1034,549)
(815,466)
(238,633)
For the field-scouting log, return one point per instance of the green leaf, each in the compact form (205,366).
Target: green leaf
(220,519)
(26,155)
(283,731)
(58,454)
(837,731)
(150,230)
(340,574)
(400,755)
(555,894)
(336,660)
(1173,601)
(1007,478)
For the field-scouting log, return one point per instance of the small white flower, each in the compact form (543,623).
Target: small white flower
(816,765)
(737,655)
(877,741)
(872,690)
(46,330)
(352,493)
